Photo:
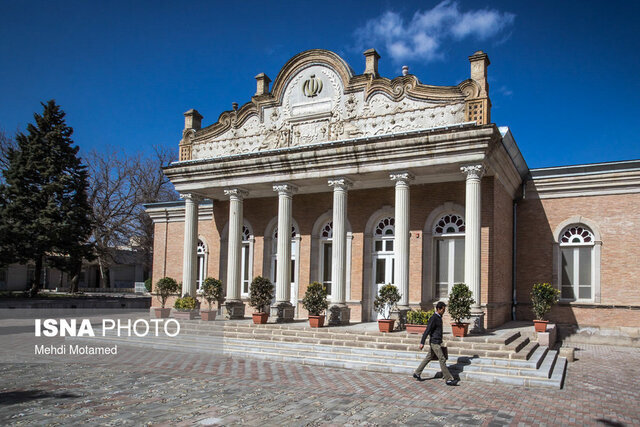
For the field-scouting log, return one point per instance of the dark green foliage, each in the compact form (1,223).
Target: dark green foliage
(460,301)
(315,299)
(387,298)
(419,317)
(186,303)
(260,293)
(543,296)
(44,213)
(211,290)
(147,284)
(164,288)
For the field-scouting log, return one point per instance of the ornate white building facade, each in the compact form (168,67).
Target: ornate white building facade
(375,181)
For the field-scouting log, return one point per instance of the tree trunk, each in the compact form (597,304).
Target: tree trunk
(75,277)
(104,276)
(37,276)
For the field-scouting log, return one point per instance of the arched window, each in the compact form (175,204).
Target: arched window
(383,259)
(448,233)
(326,255)
(246,259)
(202,252)
(577,264)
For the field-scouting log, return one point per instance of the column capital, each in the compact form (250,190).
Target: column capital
(473,171)
(285,189)
(401,177)
(239,193)
(340,183)
(191,196)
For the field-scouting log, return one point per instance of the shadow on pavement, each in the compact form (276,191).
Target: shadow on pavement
(13,397)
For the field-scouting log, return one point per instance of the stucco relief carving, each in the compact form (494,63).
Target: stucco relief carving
(329,115)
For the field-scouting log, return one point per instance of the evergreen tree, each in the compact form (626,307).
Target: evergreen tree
(44,213)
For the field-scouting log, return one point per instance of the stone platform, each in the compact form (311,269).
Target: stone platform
(507,355)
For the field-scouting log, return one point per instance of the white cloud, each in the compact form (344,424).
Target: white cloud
(422,37)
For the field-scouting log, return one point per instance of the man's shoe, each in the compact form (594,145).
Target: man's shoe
(452,382)
(417,376)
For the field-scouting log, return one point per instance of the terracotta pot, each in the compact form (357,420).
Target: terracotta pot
(386,325)
(162,313)
(208,315)
(185,315)
(416,329)
(260,318)
(459,329)
(316,321)
(540,325)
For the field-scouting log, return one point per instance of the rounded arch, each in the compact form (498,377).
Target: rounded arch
(225,231)
(202,260)
(322,220)
(383,212)
(317,252)
(203,239)
(429,246)
(596,254)
(439,212)
(577,219)
(306,59)
(273,224)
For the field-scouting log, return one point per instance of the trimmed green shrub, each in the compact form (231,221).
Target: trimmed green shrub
(419,317)
(186,303)
(460,301)
(260,293)
(388,297)
(211,290)
(543,297)
(315,299)
(147,284)
(165,287)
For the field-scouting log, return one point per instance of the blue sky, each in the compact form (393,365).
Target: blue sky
(564,75)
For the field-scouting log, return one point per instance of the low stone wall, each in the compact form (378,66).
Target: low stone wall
(77,302)
(572,335)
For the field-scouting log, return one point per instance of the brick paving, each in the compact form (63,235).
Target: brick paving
(144,386)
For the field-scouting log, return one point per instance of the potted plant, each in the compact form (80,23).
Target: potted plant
(417,321)
(460,300)
(543,297)
(186,307)
(386,300)
(165,287)
(315,302)
(211,291)
(260,296)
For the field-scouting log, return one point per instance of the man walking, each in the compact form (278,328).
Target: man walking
(434,328)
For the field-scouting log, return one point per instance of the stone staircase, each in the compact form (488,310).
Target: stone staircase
(507,357)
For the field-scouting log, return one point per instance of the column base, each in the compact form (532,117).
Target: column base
(476,322)
(282,312)
(339,314)
(233,310)
(400,315)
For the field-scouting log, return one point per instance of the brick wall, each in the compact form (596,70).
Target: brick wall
(362,204)
(499,288)
(617,217)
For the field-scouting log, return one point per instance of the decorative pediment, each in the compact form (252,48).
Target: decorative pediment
(316,98)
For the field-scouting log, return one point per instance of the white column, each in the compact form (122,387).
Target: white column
(190,257)
(339,240)
(339,312)
(234,278)
(283,277)
(401,239)
(472,235)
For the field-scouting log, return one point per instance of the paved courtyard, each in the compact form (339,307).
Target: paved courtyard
(146,386)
